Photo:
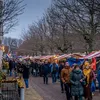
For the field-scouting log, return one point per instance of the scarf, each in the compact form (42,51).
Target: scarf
(87,72)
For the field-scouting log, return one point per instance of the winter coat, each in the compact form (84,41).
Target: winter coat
(10,65)
(19,68)
(36,66)
(60,69)
(76,85)
(57,68)
(65,75)
(14,64)
(25,71)
(46,69)
(32,65)
(98,76)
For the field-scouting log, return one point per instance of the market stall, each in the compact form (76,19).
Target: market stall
(46,57)
(49,58)
(93,54)
(93,58)
(36,57)
(63,57)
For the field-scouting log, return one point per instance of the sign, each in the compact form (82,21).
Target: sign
(13,43)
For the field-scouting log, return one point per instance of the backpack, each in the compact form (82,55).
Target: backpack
(54,68)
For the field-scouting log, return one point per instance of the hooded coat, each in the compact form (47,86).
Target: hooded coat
(76,85)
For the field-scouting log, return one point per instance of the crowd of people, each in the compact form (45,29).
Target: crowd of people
(79,81)
(76,81)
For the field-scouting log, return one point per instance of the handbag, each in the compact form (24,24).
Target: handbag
(83,83)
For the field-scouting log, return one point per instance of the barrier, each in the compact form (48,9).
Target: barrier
(11,91)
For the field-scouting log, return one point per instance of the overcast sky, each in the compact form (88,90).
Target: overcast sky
(33,11)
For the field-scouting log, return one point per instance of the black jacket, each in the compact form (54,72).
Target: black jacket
(19,68)
(46,69)
(32,65)
(36,66)
(10,65)
(60,69)
(25,71)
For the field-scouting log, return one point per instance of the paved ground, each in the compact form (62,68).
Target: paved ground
(50,91)
(31,94)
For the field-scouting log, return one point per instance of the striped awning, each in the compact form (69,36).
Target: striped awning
(63,56)
(46,57)
(91,55)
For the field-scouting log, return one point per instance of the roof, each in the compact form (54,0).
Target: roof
(93,54)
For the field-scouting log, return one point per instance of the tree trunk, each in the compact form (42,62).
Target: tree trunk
(90,48)
(51,50)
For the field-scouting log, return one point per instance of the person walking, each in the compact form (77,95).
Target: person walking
(65,76)
(61,83)
(19,68)
(77,82)
(11,66)
(98,78)
(40,65)
(93,84)
(41,68)
(32,67)
(26,73)
(54,70)
(45,72)
(36,68)
(88,78)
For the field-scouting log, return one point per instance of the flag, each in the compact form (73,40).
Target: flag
(93,65)
(73,61)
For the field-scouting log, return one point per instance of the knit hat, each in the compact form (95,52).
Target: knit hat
(24,62)
(86,64)
(66,64)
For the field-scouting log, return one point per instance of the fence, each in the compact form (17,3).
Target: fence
(9,91)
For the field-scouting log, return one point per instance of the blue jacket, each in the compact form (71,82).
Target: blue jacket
(98,75)
(46,69)
(57,67)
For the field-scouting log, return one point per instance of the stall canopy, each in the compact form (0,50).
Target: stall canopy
(77,55)
(36,57)
(63,56)
(46,57)
(91,55)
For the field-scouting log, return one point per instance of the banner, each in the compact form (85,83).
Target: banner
(93,65)
(73,61)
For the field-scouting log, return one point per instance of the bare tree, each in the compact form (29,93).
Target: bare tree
(82,16)
(58,29)
(10,10)
(49,35)
(64,20)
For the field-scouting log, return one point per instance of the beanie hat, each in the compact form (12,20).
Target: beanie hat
(66,64)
